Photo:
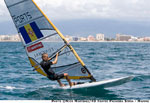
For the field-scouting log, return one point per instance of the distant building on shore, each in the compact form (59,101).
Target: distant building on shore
(133,38)
(120,37)
(9,37)
(82,39)
(100,37)
(91,38)
(75,38)
(146,39)
(68,38)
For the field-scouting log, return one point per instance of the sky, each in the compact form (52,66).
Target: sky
(89,17)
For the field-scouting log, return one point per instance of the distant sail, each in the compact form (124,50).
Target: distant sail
(34,29)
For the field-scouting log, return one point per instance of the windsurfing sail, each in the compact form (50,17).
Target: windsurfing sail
(35,29)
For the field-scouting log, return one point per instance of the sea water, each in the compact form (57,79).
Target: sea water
(104,60)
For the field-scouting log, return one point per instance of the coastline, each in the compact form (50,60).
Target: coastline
(111,41)
(8,41)
(93,41)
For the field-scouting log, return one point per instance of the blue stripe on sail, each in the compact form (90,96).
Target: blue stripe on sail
(25,35)
(36,30)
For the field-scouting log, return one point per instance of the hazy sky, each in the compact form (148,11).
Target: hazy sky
(84,17)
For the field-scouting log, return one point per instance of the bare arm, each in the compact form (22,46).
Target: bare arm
(56,59)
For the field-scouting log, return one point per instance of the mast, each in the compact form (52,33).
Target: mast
(66,42)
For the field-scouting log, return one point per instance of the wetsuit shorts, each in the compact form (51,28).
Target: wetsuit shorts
(56,76)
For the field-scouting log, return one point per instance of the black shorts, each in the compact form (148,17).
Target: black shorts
(56,76)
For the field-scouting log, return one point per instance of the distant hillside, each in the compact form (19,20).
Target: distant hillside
(85,27)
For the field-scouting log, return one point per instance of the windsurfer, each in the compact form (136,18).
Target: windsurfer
(46,65)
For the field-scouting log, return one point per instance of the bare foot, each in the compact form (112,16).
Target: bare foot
(63,85)
(73,83)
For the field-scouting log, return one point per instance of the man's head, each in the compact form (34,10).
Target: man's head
(45,57)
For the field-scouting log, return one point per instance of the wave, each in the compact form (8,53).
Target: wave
(50,86)
(10,87)
(141,77)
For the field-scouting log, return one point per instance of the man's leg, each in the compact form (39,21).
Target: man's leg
(62,85)
(67,78)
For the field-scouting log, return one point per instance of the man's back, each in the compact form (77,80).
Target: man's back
(46,65)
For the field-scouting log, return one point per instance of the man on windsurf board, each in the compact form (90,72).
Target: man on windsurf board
(46,65)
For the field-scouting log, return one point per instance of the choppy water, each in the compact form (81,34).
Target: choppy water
(105,61)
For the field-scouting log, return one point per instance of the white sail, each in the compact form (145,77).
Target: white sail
(34,29)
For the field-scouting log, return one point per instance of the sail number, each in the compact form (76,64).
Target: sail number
(49,50)
(22,18)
